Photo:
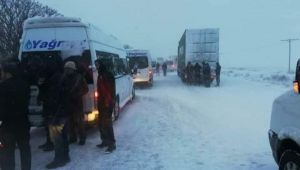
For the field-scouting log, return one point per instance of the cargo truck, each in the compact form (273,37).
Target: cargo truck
(198,46)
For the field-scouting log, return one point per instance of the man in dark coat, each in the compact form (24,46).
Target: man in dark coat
(164,68)
(197,73)
(189,70)
(50,97)
(70,103)
(206,74)
(157,67)
(106,100)
(76,122)
(15,127)
(218,73)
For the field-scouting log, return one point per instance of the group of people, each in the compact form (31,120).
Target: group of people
(163,66)
(201,74)
(61,94)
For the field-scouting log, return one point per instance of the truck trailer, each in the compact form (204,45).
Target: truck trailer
(198,46)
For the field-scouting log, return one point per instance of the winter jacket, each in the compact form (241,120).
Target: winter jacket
(164,66)
(14,101)
(206,69)
(106,89)
(218,69)
(49,94)
(197,69)
(72,88)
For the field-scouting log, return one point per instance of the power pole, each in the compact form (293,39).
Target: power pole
(290,43)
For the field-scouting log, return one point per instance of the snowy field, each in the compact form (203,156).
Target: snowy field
(172,126)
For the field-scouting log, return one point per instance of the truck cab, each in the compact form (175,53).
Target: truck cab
(284,133)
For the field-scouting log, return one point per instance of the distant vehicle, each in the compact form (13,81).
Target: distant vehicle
(45,40)
(284,133)
(198,46)
(171,65)
(140,64)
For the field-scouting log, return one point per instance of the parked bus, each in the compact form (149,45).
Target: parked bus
(141,65)
(47,41)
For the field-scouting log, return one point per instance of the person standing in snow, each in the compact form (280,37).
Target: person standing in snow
(206,74)
(197,73)
(77,124)
(164,68)
(157,68)
(218,73)
(15,127)
(188,72)
(106,100)
(49,96)
(70,93)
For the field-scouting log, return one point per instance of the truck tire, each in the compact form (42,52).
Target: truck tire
(289,160)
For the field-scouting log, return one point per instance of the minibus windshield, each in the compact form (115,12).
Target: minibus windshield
(141,62)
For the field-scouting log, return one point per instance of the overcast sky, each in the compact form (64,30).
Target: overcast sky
(250,30)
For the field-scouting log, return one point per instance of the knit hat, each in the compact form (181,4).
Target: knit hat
(71,65)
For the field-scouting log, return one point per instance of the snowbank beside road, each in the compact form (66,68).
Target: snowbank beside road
(268,75)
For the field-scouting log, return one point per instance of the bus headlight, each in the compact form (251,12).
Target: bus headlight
(92,116)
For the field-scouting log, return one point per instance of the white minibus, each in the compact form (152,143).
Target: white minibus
(46,41)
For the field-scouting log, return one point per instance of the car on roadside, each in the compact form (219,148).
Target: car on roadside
(171,65)
(284,133)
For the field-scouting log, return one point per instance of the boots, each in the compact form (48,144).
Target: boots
(58,163)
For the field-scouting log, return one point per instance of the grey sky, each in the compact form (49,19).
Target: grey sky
(250,30)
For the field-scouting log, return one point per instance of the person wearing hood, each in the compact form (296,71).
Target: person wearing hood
(71,89)
(14,126)
(106,100)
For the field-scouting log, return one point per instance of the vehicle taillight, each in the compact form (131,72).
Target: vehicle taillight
(296,86)
(96,94)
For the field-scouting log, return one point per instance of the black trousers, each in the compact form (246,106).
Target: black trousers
(106,126)
(20,137)
(46,122)
(77,127)
(59,137)
(218,79)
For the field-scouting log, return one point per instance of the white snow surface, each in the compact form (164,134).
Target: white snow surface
(173,126)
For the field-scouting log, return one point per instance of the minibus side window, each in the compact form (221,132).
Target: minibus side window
(107,59)
(126,66)
(121,66)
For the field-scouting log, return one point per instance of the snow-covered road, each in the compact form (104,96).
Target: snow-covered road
(173,126)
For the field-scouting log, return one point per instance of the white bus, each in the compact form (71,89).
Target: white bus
(141,65)
(46,41)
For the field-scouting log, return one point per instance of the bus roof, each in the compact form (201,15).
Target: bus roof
(137,53)
(49,22)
